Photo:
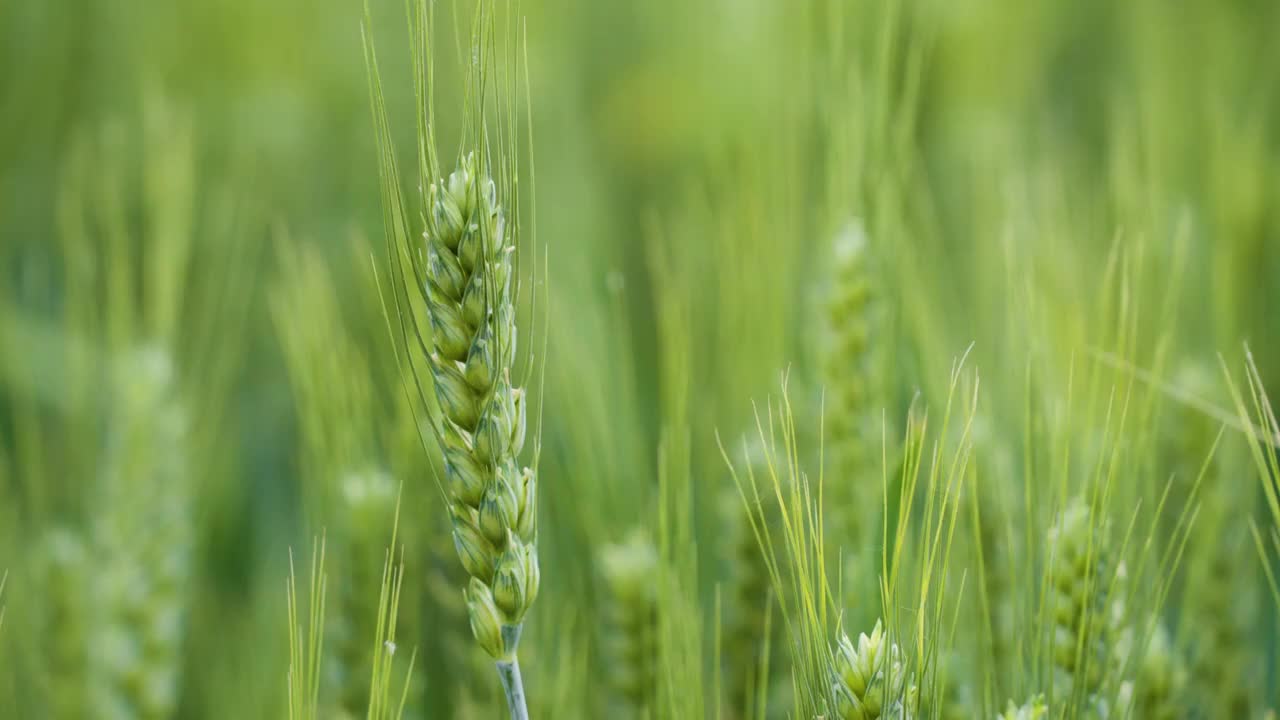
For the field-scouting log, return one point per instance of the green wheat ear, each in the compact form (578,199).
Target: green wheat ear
(1077,604)
(854,380)
(851,372)
(141,546)
(453,290)
(630,634)
(482,425)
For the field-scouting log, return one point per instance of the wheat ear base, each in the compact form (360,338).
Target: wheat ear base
(509,674)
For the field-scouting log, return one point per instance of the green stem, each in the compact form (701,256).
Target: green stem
(509,673)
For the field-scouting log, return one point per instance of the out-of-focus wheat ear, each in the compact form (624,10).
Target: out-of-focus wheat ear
(62,566)
(630,631)
(1157,690)
(1224,664)
(1032,709)
(853,356)
(142,539)
(1079,575)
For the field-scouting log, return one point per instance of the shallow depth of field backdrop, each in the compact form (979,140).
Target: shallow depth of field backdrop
(980,278)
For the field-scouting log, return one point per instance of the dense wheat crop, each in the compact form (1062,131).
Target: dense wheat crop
(710,359)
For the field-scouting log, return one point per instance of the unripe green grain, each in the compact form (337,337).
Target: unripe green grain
(870,680)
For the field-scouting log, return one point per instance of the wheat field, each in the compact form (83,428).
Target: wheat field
(710,359)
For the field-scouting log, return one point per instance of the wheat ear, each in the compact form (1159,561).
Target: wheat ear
(482,425)
(1078,605)
(631,626)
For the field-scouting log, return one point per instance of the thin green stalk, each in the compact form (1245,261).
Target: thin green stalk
(509,674)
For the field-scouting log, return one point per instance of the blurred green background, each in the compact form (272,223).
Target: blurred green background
(1051,182)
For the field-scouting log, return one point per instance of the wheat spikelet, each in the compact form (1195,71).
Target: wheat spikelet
(870,680)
